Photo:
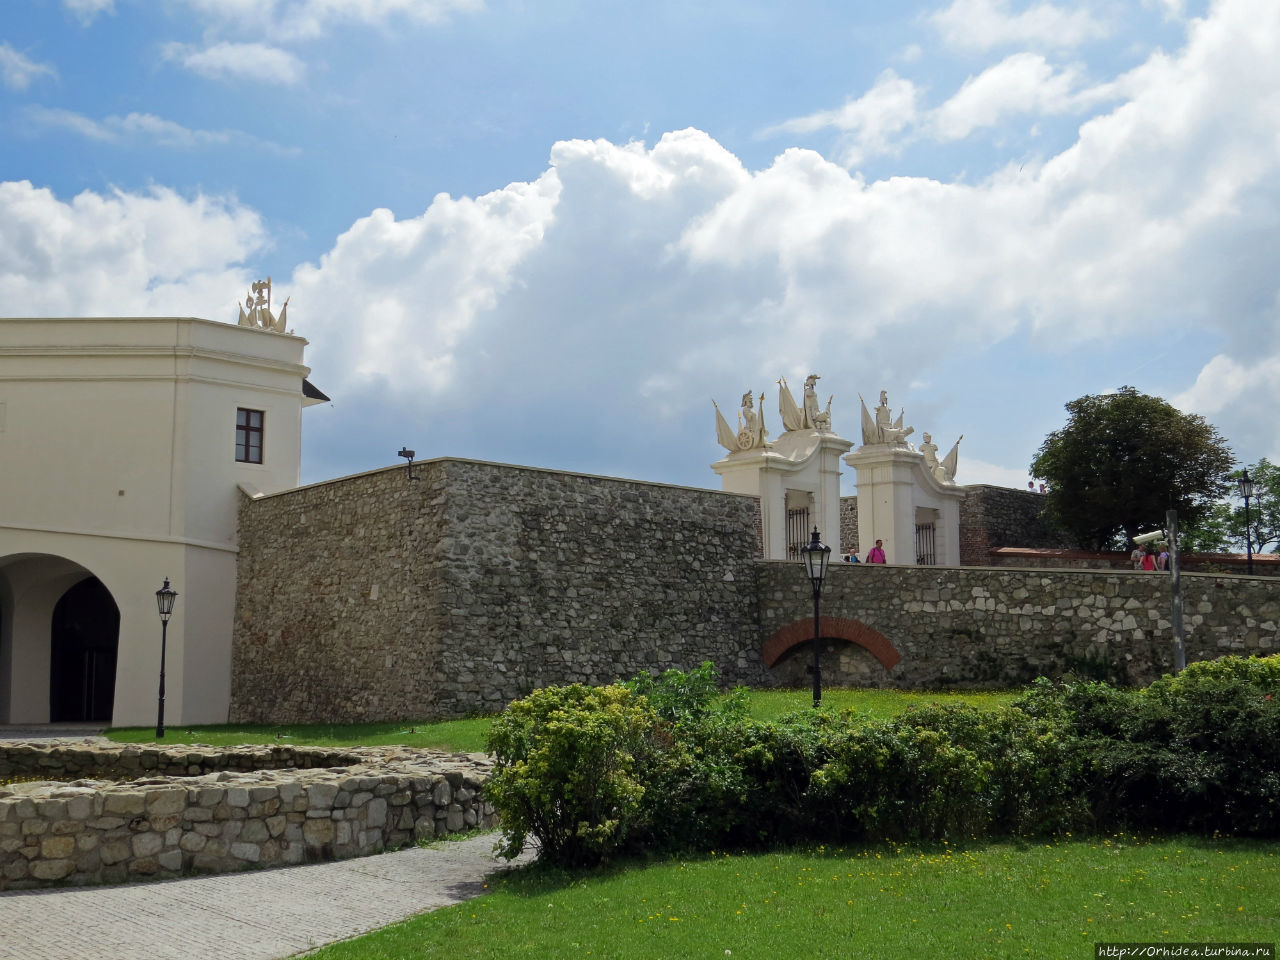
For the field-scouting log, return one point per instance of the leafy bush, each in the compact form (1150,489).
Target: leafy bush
(1199,751)
(1206,748)
(893,779)
(571,769)
(678,694)
(667,764)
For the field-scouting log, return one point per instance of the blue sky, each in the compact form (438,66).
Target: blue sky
(550,233)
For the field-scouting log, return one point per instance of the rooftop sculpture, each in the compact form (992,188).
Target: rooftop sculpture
(883,428)
(809,417)
(945,470)
(751,432)
(259,313)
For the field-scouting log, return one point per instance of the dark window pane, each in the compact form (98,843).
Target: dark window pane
(249,435)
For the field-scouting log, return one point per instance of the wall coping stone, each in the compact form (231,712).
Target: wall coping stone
(352,477)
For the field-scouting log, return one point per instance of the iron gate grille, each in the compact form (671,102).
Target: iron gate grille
(797,532)
(926,554)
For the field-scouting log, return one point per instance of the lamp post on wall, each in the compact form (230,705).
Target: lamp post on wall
(408,455)
(164,603)
(1246,491)
(816,554)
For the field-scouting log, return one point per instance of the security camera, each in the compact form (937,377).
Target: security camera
(1152,537)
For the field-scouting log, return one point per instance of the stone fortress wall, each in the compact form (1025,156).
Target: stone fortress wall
(993,517)
(974,627)
(375,597)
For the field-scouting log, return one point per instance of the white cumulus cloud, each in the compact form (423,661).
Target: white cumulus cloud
(144,128)
(304,19)
(889,116)
(985,24)
(608,299)
(87,10)
(256,62)
(17,70)
(1023,83)
(872,124)
(122,254)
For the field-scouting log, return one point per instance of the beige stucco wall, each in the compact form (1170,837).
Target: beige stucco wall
(118,448)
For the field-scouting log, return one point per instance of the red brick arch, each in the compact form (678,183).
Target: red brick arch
(830,628)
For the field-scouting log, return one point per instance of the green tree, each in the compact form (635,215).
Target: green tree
(1222,526)
(1125,458)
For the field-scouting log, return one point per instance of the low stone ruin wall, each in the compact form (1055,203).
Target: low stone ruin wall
(98,831)
(91,759)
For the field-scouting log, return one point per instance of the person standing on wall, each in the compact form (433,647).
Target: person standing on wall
(876,553)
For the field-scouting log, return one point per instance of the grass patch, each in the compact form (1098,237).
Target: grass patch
(1044,900)
(468,735)
(878,704)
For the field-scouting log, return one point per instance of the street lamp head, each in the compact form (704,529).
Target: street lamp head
(1246,485)
(816,554)
(164,600)
(408,455)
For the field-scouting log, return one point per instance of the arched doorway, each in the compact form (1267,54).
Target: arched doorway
(84,638)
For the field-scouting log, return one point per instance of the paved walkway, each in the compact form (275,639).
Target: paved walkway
(43,730)
(258,915)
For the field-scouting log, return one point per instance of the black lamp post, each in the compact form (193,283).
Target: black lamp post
(408,455)
(164,603)
(816,554)
(1246,491)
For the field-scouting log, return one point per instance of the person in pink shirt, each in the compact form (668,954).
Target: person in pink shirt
(876,553)
(1148,559)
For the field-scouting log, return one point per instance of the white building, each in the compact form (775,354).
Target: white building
(122,444)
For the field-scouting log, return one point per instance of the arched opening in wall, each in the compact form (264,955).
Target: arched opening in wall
(84,640)
(796,636)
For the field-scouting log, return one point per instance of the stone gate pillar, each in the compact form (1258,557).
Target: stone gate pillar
(796,477)
(906,496)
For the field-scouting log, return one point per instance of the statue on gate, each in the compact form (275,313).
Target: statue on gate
(751,431)
(883,428)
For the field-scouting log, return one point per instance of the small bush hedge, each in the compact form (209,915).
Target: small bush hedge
(669,764)
(572,769)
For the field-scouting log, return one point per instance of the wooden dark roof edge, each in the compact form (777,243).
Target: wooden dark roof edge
(311,392)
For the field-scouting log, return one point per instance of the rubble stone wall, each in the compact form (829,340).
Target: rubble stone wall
(970,627)
(849,526)
(379,598)
(98,831)
(992,517)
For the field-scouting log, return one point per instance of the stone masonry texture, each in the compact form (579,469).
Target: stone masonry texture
(375,597)
(975,627)
(73,828)
(993,517)
(379,598)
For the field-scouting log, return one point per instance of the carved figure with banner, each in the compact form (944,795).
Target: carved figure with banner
(808,417)
(751,431)
(259,314)
(944,471)
(883,428)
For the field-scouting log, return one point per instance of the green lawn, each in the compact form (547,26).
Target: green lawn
(469,735)
(989,899)
(455,735)
(771,704)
